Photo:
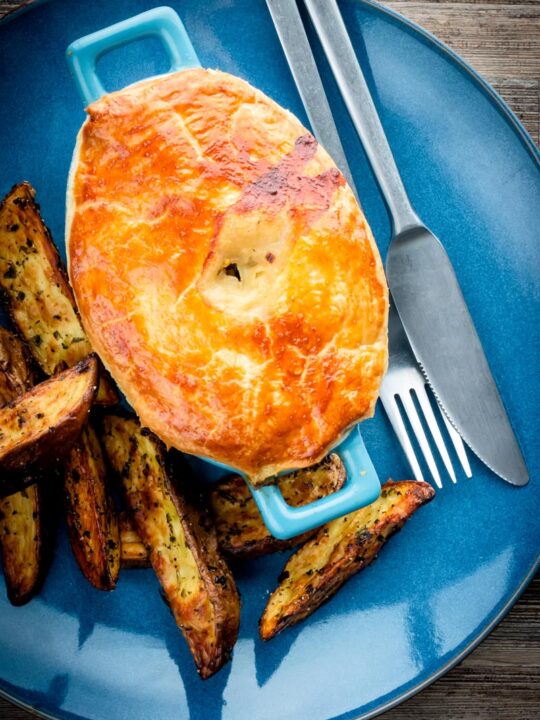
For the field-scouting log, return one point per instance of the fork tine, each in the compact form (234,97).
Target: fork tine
(394,415)
(425,404)
(459,447)
(418,430)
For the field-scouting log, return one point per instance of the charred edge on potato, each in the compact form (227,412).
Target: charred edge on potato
(40,426)
(339,550)
(90,514)
(23,532)
(17,373)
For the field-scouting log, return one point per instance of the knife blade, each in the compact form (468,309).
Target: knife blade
(295,43)
(422,280)
(443,337)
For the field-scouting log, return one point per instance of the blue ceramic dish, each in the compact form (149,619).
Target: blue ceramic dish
(362,486)
(446,580)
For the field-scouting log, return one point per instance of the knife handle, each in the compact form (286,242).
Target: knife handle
(352,84)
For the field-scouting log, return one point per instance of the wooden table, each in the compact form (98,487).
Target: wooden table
(500,680)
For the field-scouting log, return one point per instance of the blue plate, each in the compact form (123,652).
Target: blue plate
(445,581)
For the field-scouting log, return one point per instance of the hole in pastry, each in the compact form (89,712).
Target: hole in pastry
(244,272)
(232,270)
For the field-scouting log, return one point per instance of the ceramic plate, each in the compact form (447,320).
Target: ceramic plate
(456,568)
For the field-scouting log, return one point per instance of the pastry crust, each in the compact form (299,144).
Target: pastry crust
(224,272)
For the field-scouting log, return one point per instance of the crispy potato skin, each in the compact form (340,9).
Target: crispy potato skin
(40,426)
(240,528)
(16,372)
(37,294)
(22,543)
(22,531)
(339,550)
(133,553)
(16,376)
(180,542)
(90,514)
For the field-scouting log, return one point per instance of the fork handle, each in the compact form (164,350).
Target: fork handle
(352,84)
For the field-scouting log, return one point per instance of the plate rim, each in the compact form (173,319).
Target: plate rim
(485,86)
(394,702)
(534,151)
(456,659)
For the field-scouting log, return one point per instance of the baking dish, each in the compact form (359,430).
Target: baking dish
(363,485)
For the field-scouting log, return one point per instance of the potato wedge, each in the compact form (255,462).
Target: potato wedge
(182,547)
(339,550)
(22,543)
(22,517)
(240,528)
(90,513)
(41,425)
(16,372)
(133,553)
(37,294)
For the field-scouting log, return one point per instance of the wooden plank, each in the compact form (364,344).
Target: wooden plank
(501,40)
(500,680)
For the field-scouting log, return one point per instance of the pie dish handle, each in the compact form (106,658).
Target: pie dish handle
(161,22)
(361,488)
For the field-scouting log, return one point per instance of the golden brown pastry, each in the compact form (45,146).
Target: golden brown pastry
(224,272)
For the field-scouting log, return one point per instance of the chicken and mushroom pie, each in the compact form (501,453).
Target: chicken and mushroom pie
(224,272)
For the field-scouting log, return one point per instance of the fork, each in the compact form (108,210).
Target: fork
(405,382)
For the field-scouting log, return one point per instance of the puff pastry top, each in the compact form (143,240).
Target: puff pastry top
(224,272)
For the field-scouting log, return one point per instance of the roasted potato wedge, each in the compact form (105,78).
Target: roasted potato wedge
(90,513)
(339,550)
(16,372)
(182,547)
(40,426)
(22,543)
(37,294)
(133,553)
(22,517)
(240,528)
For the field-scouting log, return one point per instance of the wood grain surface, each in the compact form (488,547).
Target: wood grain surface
(500,680)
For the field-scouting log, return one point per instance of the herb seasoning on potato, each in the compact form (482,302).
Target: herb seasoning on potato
(36,291)
(40,426)
(90,514)
(340,549)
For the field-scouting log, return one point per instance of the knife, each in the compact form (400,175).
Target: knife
(295,44)
(422,280)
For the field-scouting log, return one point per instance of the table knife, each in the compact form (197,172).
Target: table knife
(422,280)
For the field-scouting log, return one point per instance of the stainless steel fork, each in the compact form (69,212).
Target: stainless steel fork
(402,385)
